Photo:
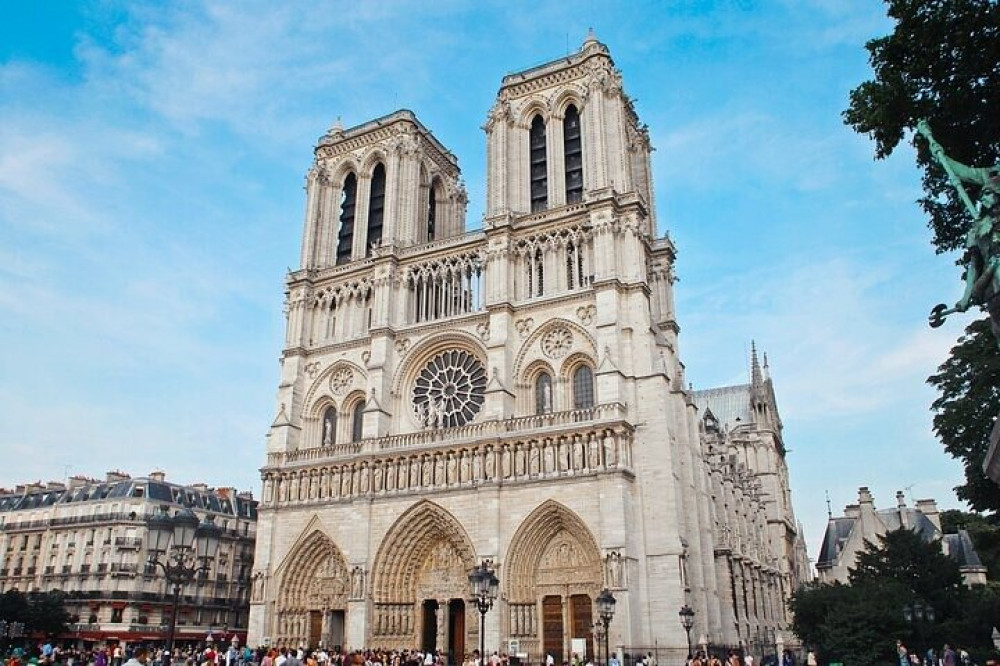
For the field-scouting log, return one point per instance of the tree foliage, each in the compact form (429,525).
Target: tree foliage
(904,556)
(858,623)
(942,63)
(41,612)
(984,532)
(968,384)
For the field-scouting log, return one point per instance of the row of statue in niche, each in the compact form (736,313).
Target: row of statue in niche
(587,452)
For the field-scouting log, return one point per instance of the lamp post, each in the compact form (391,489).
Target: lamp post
(191,543)
(483,584)
(606,611)
(916,613)
(687,621)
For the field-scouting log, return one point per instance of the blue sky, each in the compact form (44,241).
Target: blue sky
(152,159)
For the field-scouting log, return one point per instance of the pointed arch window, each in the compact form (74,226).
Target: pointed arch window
(376,207)
(357,421)
(329,436)
(539,167)
(573,155)
(348,202)
(583,387)
(431,213)
(543,394)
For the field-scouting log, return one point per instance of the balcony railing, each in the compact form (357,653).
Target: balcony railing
(496,428)
(128,542)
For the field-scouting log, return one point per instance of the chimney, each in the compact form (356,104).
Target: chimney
(78,481)
(928,507)
(115,476)
(32,487)
(852,511)
(200,486)
(157,475)
(864,496)
(900,499)
(55,485)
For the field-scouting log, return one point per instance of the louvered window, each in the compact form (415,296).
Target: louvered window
(573,154)
(539,168)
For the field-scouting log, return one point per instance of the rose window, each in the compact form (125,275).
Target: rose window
(557,342)
(450,390)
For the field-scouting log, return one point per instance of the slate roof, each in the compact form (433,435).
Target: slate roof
(959,547)
(730,405)
(218,500)
(837,532)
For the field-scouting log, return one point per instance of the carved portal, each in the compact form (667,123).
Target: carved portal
(314,583)
(421,566)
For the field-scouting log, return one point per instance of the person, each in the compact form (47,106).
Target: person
(748,660)
(140,656)
(714,660)
(948,656)
(811,658)
(549,659)
(613,661)
(282,657)
(902,654)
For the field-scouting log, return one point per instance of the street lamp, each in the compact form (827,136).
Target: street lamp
(192,545)
(606,611)
(687,621)
(916,613)
(484,586)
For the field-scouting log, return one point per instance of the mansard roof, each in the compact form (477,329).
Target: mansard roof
(152,489)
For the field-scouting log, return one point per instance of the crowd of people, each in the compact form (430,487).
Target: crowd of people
(947,656)
(209,655)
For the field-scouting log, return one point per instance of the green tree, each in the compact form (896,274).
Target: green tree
(983,531)
(13,606)
(47,613)
(968,385)
(942,63)
(858,623)
(904,556)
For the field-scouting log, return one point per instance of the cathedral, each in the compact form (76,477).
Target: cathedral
(511,397)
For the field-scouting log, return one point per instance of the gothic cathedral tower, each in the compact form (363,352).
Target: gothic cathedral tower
(511,395)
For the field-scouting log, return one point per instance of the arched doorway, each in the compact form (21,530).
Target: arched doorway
(312,598)
(420,581)
(553,574)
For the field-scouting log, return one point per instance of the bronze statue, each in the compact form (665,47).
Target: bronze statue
(982,243)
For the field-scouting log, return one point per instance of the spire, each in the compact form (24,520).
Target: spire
(591,37)
(756,376)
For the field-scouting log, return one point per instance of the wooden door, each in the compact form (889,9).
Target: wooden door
(552,627)
(315,627)
(582,617)
(456,631)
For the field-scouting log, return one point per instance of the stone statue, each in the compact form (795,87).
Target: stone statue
(982,243)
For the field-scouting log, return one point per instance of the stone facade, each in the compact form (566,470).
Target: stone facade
(87,538)
(512,395)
